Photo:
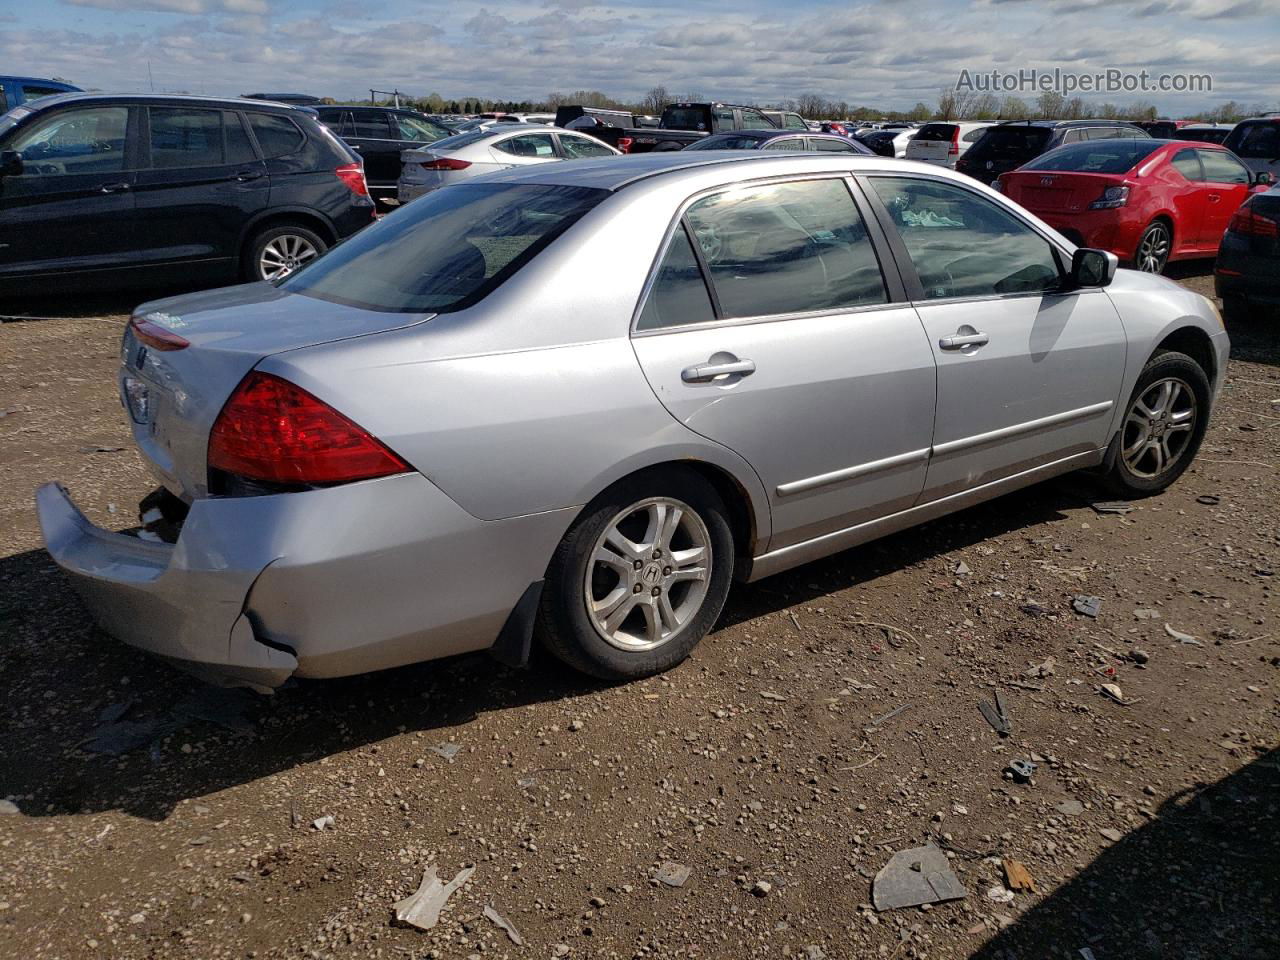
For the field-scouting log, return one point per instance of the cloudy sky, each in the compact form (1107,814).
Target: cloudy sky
(890,54)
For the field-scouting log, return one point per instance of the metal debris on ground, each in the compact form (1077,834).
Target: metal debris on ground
(996,715)
(321,822)
(1035,610)
(770,695)
(446,750)
(1112,506)
(1017,876)
(915,876)
(421,909)
(1087,606)
(1022,770)
(888,716)
(1180,636)
(503,924)
(672,874)
(962,569)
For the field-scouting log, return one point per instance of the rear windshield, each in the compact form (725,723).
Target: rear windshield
(1011,142)
(726,142)
(937,131)
(446,250)
(1097,156)
(684,118)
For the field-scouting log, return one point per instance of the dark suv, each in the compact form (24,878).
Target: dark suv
(141,189)
(379,134)
(1007,146)
(1257,142)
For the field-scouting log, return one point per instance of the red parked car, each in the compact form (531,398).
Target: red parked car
(1146,201)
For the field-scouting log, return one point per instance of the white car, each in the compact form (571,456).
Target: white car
(943,142)
(472,154)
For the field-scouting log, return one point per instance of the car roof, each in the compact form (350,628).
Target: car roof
(614,173)
(241,103)
(20,79)
(1065,123)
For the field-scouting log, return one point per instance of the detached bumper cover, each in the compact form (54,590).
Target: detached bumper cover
(350,579)
(159,597)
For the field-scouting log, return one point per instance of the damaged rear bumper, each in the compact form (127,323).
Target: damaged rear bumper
(322,583)
(159,597)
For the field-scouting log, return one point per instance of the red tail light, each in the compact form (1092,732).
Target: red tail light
(157,337)
(624,144)
(353,176)
(1250,224)
(955,143)
(274,431)
(445,163)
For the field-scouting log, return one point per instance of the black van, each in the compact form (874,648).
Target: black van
(100,190)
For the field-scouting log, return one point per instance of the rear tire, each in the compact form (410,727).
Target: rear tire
(640,578)
(1152,255)
(1164,424)
(275,252)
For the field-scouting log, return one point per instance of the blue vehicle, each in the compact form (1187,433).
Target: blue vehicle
(18,90)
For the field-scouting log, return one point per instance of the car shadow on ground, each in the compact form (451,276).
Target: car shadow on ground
(66,683)
(1200,881)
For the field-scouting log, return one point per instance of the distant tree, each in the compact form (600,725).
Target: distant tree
(985,107)
(1013,108)
(920,112)
(1049,105)
(811,105)
(1073,109)
(655,100)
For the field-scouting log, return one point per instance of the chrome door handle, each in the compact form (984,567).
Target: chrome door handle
(705,372)
(114,187)
(246,175)
(1214,198)
(961,340)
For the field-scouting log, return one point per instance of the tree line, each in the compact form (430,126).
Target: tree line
(951,105)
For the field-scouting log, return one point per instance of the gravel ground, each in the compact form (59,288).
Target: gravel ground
(783,764)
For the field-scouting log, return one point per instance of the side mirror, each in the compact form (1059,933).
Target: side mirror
(1092,268)
(1263,179)
(10,163)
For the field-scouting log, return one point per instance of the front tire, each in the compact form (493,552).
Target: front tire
(1163,426)
(640,578)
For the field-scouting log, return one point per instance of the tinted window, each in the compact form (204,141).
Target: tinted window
(725,141)
(460,140)
(277,136)
(755,119)
(239,149)
(1256,141)
(786,248)
(964,245)
(1220,167)
(368,124)
(1014,143)
(784,143)
(35,92)
(679,294)
(722,118)
(795,122)
(413,128)
(1098,156)
(88,140)
(528,145)
(686,118)
(447,249)
(575,147)
(943,132)
(831,146)
(973,136)
(1187,163)
(185,138)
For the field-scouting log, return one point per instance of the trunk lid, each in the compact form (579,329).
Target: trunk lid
(173,396)
(1052,192)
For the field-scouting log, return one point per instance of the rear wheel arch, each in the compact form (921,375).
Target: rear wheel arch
(282,218)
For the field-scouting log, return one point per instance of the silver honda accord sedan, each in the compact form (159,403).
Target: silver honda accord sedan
(576,401)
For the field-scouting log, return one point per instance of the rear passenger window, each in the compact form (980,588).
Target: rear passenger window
(679,295)
(370,125)
(785,143)
(1186,163)
(185,138)
(277,136)
(239,149)
(786,248)
(964,245)
(528,145)
(830,146)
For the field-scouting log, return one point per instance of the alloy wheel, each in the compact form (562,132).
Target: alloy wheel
(284,254)
(648,574)
(1153,251)
(1159,427)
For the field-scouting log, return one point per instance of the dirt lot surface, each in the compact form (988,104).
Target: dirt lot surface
(783,764)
